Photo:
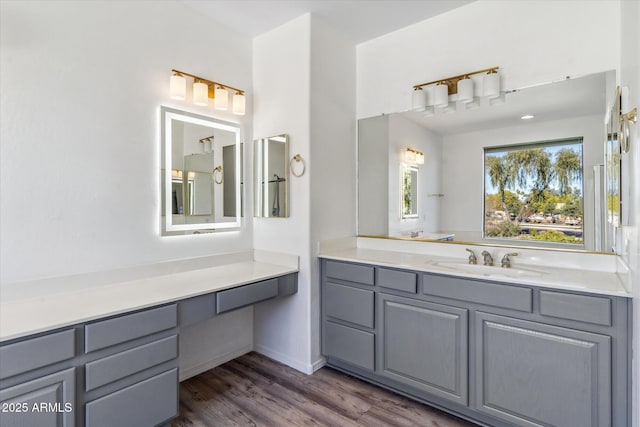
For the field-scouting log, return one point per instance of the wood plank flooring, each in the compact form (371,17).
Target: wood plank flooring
(254,390)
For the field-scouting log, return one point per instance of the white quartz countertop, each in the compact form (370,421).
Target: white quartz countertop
(573,279)
(34,314)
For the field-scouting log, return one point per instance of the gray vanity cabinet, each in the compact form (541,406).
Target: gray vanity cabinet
(37,381)
(501,354)
(48,401)
(424,345)
(131,375)
(533,374)
(348,309)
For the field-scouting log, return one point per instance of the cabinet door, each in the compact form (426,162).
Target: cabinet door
(43,402)
(533,374)
(424,345)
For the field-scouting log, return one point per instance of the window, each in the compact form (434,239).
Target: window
(534,192)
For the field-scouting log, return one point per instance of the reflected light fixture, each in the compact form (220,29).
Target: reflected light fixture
(462,85)
(527,117)
(413,156)
(203,89)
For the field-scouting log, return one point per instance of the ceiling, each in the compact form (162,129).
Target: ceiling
(361,20)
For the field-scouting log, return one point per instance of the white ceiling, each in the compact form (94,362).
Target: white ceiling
(361,20)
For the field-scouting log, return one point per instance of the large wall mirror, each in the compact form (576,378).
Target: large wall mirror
(271,173)
(527,169)
(201,173)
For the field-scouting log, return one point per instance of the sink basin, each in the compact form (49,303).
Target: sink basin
(486,270)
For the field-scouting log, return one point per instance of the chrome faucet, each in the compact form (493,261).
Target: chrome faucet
(506,262)
(472,257)
(487,258)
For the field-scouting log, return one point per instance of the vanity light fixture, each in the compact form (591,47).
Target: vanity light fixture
(465,89)
(414,156)
(462,85)
(491,84)
(177,87)
(203,89)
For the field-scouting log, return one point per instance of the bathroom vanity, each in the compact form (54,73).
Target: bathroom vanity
(107,355)
(487,345)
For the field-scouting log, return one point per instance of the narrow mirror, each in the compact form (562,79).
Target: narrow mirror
(409,191)
(201,174)
(271,174)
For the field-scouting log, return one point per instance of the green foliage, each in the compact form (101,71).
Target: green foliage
(553,236)
(503,229)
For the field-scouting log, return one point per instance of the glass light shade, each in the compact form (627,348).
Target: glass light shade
(177,87)
(410,155)
(221,100)
(239,102)
(465,90)
(491,84)
(200,94)
(440,95)
(418,100)
(420,158)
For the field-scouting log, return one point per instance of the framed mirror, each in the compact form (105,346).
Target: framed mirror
(409,192)
(271,174)
(550,138)
(201,173)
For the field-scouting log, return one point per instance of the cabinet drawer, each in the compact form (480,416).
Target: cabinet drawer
(582,308)
(350,304)
(246,295)
(131,326)
(121,365)
(349,344)
(147,403)
(504,296)
(34,353)
(197,309)
(349,272)
(399,280)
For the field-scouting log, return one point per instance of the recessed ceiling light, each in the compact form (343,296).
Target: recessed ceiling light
(527,117)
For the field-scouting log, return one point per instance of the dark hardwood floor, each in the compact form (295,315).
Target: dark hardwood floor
(254,390)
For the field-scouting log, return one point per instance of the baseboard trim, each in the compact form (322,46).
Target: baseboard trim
(318,364)
(305,368)
(192,371)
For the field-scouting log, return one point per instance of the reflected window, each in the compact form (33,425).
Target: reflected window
(535,192)
(409,192)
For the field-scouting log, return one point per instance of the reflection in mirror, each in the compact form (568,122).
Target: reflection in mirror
(200,175)
(271,172)
(409,192)
(452,182)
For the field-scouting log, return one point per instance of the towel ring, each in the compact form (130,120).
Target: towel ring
(217,175)
(298,158)
(624,128)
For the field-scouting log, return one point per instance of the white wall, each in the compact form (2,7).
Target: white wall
(532,41)
(463,174)
(304,84)
(403,134)
(333,152)
(373,171)
(81,86)
(281,71)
